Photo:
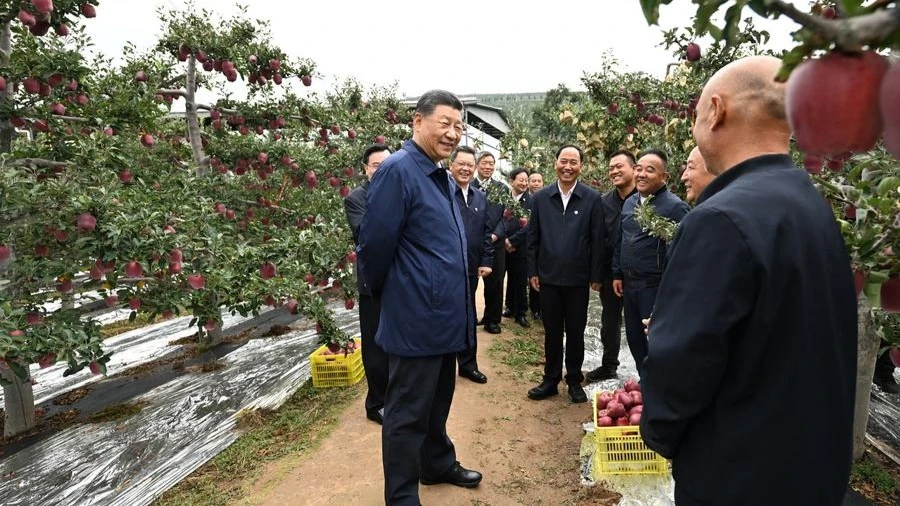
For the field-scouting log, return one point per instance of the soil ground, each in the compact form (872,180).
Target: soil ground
(526,450)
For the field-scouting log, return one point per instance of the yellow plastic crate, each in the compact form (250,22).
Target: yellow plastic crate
(336,370)
(620,450)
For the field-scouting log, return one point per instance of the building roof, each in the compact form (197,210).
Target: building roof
(487,118)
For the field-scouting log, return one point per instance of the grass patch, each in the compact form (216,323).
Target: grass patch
(117,412)
(876,478)
(522,353)
(297,427)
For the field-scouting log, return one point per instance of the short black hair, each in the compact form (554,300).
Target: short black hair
(576,148)
(374,148)
(483,154)
(515,172)
(429,101)
(626,153)
(536,172)
(658,152)
(462,149)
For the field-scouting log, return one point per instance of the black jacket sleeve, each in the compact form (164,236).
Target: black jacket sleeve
(355,207)
(598,241)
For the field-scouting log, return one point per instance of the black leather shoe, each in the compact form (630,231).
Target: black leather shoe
(492,328)
(544,390)
(457,475)
(521,320)
(376,416)
(599,374)
(507,313)
(476,376)
(576,394)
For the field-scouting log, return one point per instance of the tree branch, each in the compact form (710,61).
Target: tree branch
(38,162)
(177,93)
(174,80)
(74,119)
(847,34)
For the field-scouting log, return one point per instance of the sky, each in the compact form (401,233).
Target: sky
(466,46)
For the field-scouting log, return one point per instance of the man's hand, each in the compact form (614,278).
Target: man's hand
(535,283)
(646,323)
(618,287)
(509,247)
(494,237)
(484,271)
(596,286)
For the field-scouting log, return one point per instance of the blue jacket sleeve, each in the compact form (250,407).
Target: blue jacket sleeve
(708,247)
(381,227)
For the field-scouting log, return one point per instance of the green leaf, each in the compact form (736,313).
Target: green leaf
(852,7)
(17,368)
(759,7)
(715,32)
(732,22)
(704,13)
(651,10)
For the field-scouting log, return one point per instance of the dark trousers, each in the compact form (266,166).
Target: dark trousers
(493,286)
(467,358)
(610,326)
(638,302)
(414,441)
(375,360)
(565,310)
(516,283)
(884,366)
(534,299)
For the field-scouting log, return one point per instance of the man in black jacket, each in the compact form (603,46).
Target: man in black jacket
(493,284)
(621,174)
(516,261)
(639,258)
(750,377)
(565,259)
(535,184)
(375,361)
(473,209)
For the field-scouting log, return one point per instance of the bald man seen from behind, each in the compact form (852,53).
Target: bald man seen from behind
(750,375)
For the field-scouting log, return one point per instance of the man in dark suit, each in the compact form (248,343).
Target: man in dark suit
(412,254)
(515,245)
(565,260)
(375,361)
(639,258)
(493,284)
(750,377)
(535,183)
(473,208)
(621,174)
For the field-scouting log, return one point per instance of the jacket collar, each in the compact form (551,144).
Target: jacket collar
(422,161)
(772,161)
(578,191)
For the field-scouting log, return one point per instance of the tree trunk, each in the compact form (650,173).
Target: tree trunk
(7,132)
(867,353)
(193,121)
(18,406)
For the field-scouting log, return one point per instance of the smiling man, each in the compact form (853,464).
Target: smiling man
(639,258)
(412,254)
(621,175)
(565,260)
(695,176)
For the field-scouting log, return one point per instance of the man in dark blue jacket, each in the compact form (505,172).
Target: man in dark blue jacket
(565,261)
(473,208)
(375,362)
(639,258)
(750,377)
(493,284)
(412,254)
(621,175)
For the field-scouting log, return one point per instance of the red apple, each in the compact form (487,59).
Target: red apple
(134,269)
(83,100)
(274,64)
(168,230)
(134,303)
(16,333)
(379,139)
(97,368)
(65,285)
(196,281)
(307,80)
(351,257)
(291,305)
(859,281)
(5,252)
(890,295)
(125,176)
(27,18)
(267,270)
(890,109)
(351,134)
(632,385)
(111,300)
(34,318)
(148,140)
(832,103)
(175,267)
(622,421)
(140,76)
(58,109)
(88,11)
(41,250)
(43,6)
(310,279)
(604,421)
(86,222)
(61,235)
(176,255)
(348,304)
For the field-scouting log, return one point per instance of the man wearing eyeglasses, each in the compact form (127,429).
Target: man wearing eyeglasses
(375,361)
(473,208)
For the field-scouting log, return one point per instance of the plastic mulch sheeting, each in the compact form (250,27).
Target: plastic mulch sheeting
(186,422)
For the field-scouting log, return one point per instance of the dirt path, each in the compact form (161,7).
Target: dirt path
(526,450)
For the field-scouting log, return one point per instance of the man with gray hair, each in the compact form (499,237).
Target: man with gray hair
(412,254)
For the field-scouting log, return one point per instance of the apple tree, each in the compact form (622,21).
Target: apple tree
(843,104)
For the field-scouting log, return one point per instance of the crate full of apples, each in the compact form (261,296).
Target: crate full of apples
(337,367)
(620,408)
